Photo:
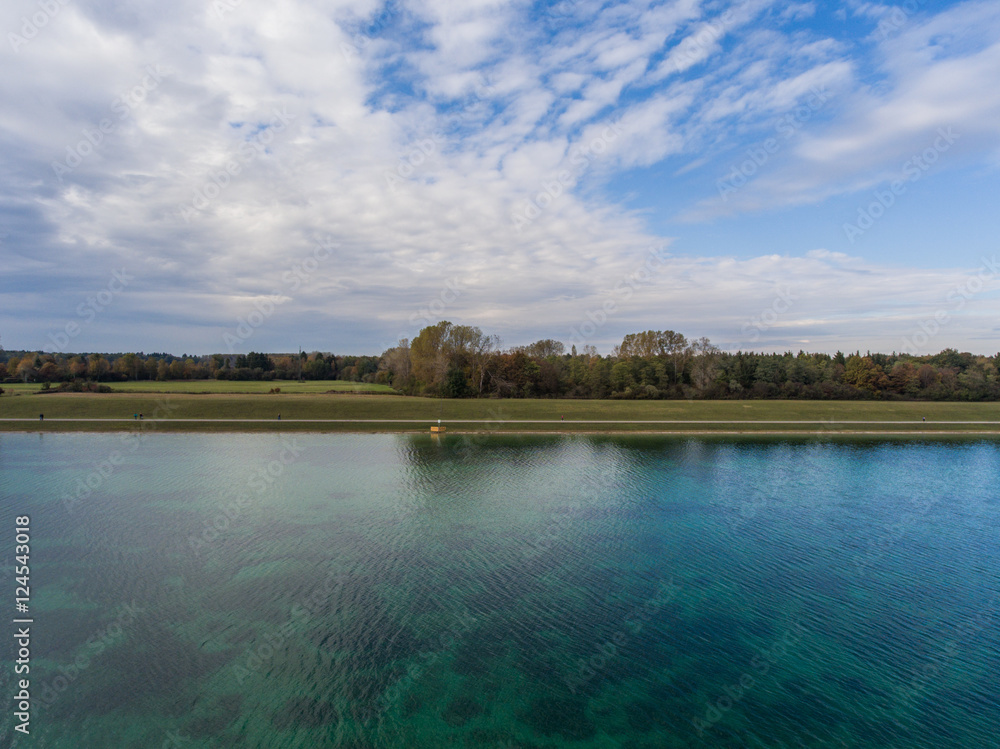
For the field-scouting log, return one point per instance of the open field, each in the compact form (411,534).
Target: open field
(224,386)
(314,412)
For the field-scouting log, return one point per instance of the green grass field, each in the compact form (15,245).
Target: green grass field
(487,414)
(225,386)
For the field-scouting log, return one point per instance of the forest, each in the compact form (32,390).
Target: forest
(460,361)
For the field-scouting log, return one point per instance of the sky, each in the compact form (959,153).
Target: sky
(223,176)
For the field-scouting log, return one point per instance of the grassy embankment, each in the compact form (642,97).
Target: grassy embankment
(308,401)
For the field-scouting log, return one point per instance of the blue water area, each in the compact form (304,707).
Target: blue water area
(238,590)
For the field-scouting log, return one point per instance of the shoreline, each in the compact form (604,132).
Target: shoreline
(412,415)
(805,433)
(448,422)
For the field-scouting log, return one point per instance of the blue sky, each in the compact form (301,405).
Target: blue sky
(237,175)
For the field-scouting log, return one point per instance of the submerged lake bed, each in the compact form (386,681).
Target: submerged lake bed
(260,590)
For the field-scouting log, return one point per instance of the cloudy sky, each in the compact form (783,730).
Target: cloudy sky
(202,176)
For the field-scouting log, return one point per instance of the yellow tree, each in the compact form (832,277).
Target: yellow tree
(429,354)
(127,365)
(97,366)
(77,367)
(26,367)
(864,374)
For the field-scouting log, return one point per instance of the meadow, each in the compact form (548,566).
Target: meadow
(312,408)
(225,386)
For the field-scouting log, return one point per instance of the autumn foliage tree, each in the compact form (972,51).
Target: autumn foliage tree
(450,360)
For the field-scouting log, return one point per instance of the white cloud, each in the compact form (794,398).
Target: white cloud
(798,11)
(413,148)
(937,73)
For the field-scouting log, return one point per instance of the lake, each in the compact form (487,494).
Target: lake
(256,590)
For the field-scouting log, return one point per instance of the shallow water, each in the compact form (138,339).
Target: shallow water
(505,591)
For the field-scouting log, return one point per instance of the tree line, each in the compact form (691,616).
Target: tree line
(460,361)
(49,369)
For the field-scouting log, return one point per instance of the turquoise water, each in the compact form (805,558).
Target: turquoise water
(399,591)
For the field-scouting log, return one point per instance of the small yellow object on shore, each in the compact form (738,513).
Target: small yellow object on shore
(438,429)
